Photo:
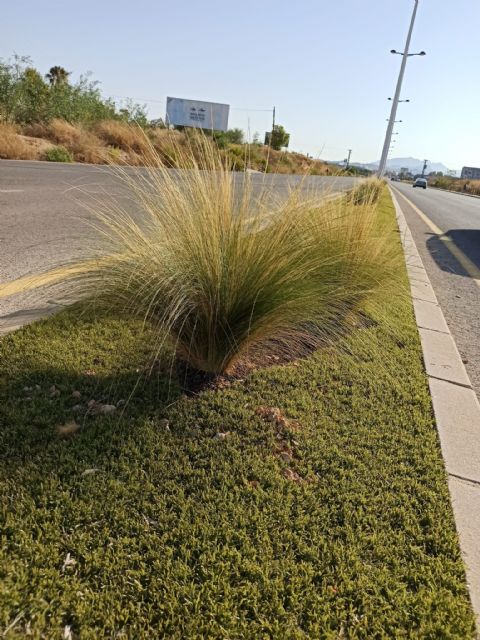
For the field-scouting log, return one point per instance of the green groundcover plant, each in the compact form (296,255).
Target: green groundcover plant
(302,501)
(58,154)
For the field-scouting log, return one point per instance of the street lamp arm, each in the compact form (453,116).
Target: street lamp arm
(401,53)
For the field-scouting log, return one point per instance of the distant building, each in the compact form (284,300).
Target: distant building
(470,173)
(405,174)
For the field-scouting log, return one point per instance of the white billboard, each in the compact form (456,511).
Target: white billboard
(195,113)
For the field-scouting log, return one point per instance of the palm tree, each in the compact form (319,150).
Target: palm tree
(57,76)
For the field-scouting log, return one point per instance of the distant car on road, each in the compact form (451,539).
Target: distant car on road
(394,179)
(420,182)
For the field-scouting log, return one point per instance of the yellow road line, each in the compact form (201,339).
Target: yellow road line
(467,264)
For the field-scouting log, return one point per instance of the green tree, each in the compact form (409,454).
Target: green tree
(57,76)
(235,136)
(34,96)
(26,97)
(134,113)
(11,73)
(279,137)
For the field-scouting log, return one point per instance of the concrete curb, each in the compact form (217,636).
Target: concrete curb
(456,409)
(18,319)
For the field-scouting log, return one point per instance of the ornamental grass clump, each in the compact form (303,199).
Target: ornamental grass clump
(224,268)
(367,192)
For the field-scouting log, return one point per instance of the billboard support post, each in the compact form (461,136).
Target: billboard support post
(273,128)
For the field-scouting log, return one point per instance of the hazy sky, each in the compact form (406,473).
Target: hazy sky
(324,64)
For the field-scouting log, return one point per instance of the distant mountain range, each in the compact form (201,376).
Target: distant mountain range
(414,165)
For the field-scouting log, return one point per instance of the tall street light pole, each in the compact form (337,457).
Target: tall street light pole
(348,159)
(393,112)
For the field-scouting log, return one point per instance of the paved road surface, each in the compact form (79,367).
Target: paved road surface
(43,213)
(458,293)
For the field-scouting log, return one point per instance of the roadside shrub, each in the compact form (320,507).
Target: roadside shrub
(36,130)
(83,145)
(455,184)
(226,272)
(472,186)
(166,143)
(443,182)
(58,154)
(235,136)
(220,138)
(114,154)
(13,146)
(122,135)
(367,192)
(237,155)
(64,133)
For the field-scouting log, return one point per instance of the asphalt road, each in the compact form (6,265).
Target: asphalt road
(45,209)
(457,288)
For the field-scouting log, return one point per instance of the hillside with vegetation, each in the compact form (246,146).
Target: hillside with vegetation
(50,118)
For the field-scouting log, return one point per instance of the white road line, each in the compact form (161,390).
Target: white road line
(11,190)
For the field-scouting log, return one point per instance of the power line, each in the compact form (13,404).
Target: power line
(164,102)
(139,99)
(248,109)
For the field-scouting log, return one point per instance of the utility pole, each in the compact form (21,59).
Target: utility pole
(273,128)
(425,162)
(393,112)
(348,159)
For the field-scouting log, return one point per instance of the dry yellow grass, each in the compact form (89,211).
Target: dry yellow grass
(121,135)
(116,142)
(261,158)
(84,145)
(63,132)
(13,146)
(466,186)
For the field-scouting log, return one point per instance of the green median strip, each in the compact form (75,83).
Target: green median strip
(217,515)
